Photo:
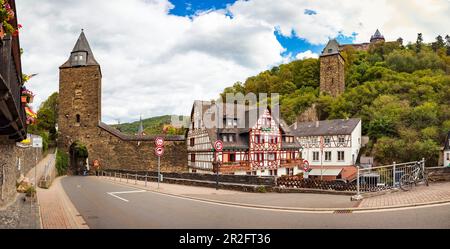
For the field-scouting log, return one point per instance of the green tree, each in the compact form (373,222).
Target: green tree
(419,42)
(447,44)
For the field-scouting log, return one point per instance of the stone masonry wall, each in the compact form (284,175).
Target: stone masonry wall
(9,168)
(332,76)
(310,115)
(115,153)
(80,94)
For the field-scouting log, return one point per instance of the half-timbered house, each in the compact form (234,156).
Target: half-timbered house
(254,143)
(331,147)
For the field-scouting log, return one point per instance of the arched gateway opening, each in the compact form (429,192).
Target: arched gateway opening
(78,159)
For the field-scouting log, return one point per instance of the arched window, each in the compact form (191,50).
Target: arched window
(78,118)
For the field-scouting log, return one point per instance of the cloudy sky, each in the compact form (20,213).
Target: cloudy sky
(157,56)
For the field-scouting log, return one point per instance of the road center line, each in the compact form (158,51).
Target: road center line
(125,192)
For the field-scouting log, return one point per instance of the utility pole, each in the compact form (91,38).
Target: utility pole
(215,150)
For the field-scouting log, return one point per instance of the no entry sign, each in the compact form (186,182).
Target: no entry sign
(305,165)
(218,145)
(159,151)
(159,142)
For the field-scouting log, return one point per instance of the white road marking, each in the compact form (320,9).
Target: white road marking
(280,209)
(125,192)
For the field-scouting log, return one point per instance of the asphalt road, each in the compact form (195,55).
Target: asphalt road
(102,208)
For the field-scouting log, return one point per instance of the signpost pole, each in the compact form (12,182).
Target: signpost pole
(159,175)
(218,147)
(159,150)
(321,158)
(321,165)
(217,171)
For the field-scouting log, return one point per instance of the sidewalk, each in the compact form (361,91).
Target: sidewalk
(421,195)
(56,210)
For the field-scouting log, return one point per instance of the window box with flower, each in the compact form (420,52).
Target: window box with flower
(6,15)
(27,96)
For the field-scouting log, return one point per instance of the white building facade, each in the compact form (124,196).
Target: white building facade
(330,144)
(447,151)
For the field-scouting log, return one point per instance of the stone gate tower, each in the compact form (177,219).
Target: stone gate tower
(332,76)
(79,120)
(79,91)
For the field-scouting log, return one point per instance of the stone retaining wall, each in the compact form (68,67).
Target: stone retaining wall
(438,174)
(10,170)
(238,179)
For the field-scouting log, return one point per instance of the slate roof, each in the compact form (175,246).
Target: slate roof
(377,34)
(82,45)
(326,127)
(332,47)
(241,138)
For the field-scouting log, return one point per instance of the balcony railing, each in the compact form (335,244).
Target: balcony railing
(289,162)
(229,167)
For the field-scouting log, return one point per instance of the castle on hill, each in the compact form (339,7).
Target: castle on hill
(332,70)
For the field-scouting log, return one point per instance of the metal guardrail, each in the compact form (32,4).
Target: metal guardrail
(127,177)
(384,177)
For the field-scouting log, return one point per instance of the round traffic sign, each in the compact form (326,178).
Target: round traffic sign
(159,142)
(218,145)
(305,165)
(159,151)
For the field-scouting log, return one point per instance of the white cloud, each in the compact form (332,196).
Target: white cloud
(403,18)
(152,62)
(305,55)
(155,63)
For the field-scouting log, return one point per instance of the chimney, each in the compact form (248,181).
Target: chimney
(295,126)
(317,124)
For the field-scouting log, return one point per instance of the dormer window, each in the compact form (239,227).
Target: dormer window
(330,50)
(79,58)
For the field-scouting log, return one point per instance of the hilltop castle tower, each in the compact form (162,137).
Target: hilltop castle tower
(332,70)
(377,37)
(332,76)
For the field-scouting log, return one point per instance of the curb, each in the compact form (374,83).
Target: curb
(278,208)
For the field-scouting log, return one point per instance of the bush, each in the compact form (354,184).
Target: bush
(261,189)
(62,162)
(30,192)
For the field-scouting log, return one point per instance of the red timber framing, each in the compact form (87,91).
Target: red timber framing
(265,143)
(234,161)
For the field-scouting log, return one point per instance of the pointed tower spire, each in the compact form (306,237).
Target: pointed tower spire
(81,54)
(141,127)
(377,37)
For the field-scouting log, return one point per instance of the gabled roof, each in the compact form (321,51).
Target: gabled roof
(82,45)
(251,116)
(325,127)
(332,47)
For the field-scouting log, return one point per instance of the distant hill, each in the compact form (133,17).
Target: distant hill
(152,126)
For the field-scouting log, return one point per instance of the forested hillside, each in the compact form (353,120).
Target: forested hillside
(401,93)
(152,126)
